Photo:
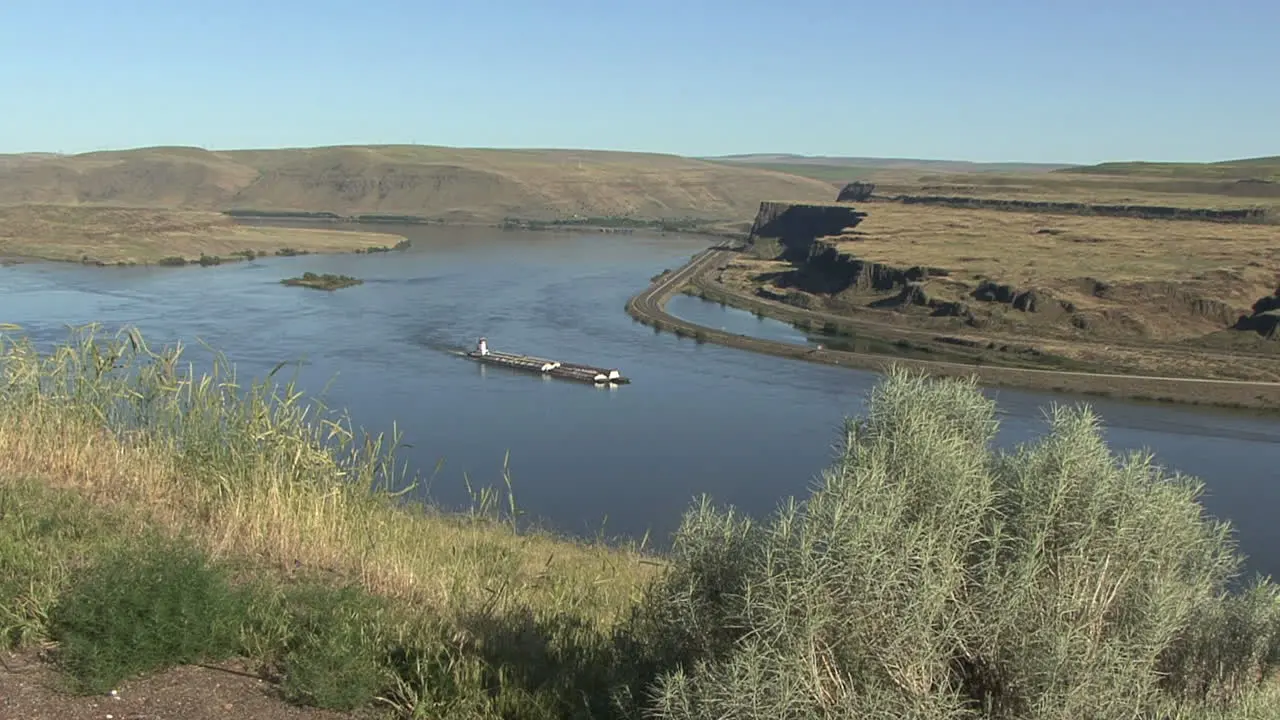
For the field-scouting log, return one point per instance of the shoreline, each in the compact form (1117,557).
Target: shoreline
(15,259)
(649,307)
(294,220)
(506,225)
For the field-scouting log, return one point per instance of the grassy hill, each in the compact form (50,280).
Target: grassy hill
(844,169)
(1266,169)
(458,184)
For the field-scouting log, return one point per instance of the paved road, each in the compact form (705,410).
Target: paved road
(651,303)
(649,308)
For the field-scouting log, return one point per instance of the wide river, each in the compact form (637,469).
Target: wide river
(699,418)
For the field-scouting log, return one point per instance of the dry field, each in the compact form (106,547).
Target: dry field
(1033,248)
(124,235)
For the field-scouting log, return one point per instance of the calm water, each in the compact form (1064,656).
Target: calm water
(746,429)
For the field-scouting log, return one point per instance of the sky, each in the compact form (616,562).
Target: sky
(1072,81)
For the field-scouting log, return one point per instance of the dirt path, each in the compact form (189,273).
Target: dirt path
(30,690)
(649,307)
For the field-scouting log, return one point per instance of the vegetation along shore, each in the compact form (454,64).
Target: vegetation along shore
(323,281)
(149,236)
(151,518)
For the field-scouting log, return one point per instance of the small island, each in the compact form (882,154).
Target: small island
(322,282)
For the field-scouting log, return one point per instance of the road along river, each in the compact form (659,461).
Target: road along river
(744,427)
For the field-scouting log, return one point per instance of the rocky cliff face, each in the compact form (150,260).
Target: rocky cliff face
(796,226)
(1265,319)
(856,192)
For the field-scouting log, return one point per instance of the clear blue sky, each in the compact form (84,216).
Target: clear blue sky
(1008,80)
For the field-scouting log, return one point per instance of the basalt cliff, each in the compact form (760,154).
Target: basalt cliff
(795,226)
(819,242)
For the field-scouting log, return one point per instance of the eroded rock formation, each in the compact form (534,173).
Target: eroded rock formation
(1265,319)
(796,226)
(856,192)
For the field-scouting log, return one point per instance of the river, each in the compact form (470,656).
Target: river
(699,418)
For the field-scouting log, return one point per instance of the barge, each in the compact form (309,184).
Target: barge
(549,368)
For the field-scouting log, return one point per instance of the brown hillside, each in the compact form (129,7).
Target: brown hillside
(448,183)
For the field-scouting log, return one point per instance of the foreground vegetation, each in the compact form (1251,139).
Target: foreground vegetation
(151,515)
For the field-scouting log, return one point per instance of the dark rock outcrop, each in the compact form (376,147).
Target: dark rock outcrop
(856,192)
(796,226)
(1150,212)
(828,270)
(913,294)
(1031,300)
(1267,304)
(1265,319)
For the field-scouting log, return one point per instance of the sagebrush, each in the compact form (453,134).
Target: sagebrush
(929,576)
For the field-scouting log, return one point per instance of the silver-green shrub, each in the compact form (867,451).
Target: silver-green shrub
(929,576)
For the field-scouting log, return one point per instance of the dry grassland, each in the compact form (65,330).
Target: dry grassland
(1033,248)
(130,235)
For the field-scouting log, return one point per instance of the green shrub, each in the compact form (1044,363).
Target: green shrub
(333,655)
(42,532)
(148,607)
(929,576)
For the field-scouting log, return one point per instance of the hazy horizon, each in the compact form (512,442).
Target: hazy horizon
(989,82)
(813,159)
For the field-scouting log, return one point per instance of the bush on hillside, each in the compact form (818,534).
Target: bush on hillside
(145,608)
(929,576)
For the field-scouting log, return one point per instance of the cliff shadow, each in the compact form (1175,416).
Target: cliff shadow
(795,227)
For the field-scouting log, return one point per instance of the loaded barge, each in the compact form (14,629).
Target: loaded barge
(550,368)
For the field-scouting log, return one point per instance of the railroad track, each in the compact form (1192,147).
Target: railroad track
(649,307)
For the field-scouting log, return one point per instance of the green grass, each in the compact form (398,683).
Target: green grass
(169,517)
(154,605)
(42,534)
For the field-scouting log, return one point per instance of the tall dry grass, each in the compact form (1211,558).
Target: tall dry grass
(254,471)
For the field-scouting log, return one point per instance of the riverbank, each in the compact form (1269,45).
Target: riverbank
(139,236)
(648,307)
(619,225)
(153,519)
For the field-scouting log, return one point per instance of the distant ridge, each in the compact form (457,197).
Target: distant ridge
(1265,169)
(440,183)
(886,163)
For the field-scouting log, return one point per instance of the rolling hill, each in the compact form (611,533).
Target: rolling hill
(452,184)
(1261,169)
(824,166)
